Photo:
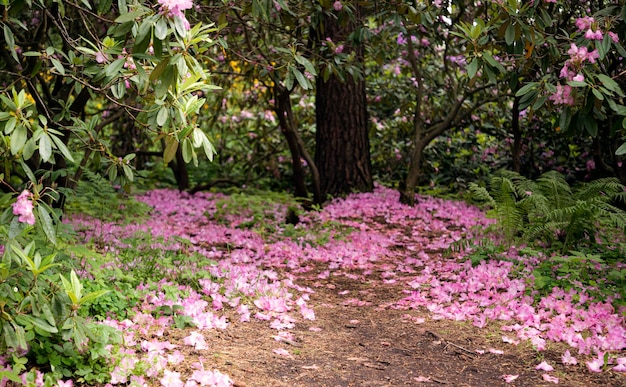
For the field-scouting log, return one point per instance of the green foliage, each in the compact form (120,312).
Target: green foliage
(40,308)
(550,212)
(586,273)
(96,197)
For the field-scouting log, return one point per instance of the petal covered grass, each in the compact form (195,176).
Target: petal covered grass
(262,276)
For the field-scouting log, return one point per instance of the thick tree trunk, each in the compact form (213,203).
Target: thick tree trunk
(342,144)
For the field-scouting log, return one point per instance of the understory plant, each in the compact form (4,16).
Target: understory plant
(40,302)
(577,229)
(552,214)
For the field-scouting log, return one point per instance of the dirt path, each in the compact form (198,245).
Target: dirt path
(369,346)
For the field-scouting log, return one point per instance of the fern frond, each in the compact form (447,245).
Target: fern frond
(555,188)
(607,188)
(481,194)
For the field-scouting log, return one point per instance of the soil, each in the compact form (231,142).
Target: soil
(372,346)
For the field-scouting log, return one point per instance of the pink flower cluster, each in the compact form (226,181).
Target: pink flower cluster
(23,207)
(175,8)
(563,95)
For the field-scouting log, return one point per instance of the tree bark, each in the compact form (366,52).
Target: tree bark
(517,137)
(283,111)
(342,145)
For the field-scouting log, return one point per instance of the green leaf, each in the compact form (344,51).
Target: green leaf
(163,115)
(509,35)
(46,223)
(307,65)
(187,150)
(58,66)
(610,84)
(45,147)
(526,88)
(115,67)
(171,145)
(128,172)
(10,41)
(472,68)
(18,139)
(160,29)
(130,16)
(621,150)
(62,148)
(302,81)
(42,324)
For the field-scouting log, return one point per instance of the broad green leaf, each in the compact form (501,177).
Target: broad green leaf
(472,68)
(46,223)
(130,16)
(93,295)
(171,145)
(58,66)
(10,125)
(526,88)
(10,41)
(622,149)
(62,148)
(187,150)
(302,81)
(509,35)
(610,84)
(163,115)
(115,67)
(307,65)
(45,147)
(128,172)
(42,324)
(160,29)
(18,139)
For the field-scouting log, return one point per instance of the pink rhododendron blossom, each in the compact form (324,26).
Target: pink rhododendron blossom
(23,207)
(337,5)
(509,378)
(579,78)
(171,379)
(175,8)
(563,95)
(584,23)
(614,37)
(282,352)
(196,340)
(67,383)
(596,364)
(551,379)
(568,359)
(544,366)
(593,35)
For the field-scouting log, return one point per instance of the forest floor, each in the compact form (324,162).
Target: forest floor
(370,346)
(391,306)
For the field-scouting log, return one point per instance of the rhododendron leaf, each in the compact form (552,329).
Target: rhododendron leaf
(171,145)
(610,84)
(18,139)
(130,16)
(45,147)
(46,223)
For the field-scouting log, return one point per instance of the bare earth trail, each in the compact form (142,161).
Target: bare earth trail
(390,309)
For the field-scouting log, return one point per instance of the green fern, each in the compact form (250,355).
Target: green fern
(550,212)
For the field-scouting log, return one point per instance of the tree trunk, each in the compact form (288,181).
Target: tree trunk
(517,137)
(407,193)
(283,111)
(342,144)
